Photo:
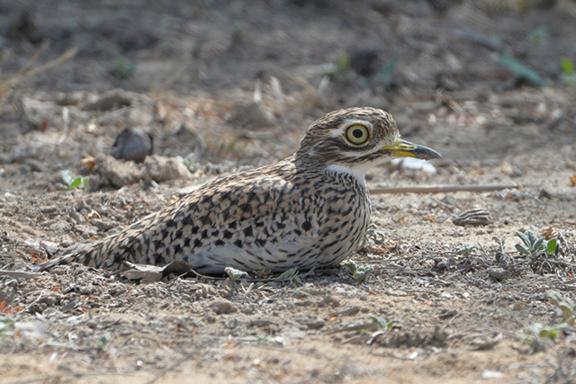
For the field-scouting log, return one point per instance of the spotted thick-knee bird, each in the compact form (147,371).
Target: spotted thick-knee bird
(310,210)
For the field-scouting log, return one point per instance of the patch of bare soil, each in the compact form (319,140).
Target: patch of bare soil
(439,294)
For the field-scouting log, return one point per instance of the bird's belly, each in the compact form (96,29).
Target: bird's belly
(331,239)
(345,234)
(265,256)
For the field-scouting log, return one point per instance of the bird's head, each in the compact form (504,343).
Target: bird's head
(357,139)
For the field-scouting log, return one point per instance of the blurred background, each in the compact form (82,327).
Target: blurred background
(241,80)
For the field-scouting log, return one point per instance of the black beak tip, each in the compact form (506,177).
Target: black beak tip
(426,153)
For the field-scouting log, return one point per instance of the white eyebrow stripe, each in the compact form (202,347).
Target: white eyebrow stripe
(347,123)
(337,132)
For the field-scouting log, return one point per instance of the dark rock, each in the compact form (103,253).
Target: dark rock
(24,28)
(133,144)
(443,6)
(365,62)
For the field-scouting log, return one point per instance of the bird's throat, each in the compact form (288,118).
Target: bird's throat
(358,174)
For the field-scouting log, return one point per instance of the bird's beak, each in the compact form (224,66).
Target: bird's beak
(405,148)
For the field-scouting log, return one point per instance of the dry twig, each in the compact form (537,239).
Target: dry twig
(19,274)
(28,70)
(444,188)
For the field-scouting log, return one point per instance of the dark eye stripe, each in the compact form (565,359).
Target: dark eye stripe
(341,145)
(368,157)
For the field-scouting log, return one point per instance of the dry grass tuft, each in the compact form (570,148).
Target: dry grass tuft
(30,69)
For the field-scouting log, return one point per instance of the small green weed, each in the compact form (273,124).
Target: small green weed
(358,272)
(565,306)
(291,275)
(123,69)
(568,72)
(342,66)
(466,249)
(541,253)
(6,326)
(542,336)
(521,70)
(235,274)
(532,246)
(539,35)
(382,323)
(74,182)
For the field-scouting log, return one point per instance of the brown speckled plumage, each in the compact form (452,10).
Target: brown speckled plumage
(305,211)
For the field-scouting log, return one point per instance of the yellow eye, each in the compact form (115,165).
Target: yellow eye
(357,134)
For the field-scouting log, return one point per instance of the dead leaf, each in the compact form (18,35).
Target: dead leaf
(36,258)
(152,273)
(7,309)
(431,218)
(549,233)
(143,273)
(88,163)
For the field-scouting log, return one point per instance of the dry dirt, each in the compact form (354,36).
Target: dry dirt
(442,303)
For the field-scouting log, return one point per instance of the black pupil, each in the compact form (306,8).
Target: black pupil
(357,133)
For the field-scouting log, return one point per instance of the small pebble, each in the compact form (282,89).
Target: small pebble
(313,323)
(497,273)
(441,265)
(447,314)
(489,374)
(223,307)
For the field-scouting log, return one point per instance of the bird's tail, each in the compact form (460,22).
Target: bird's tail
(111,252)
(76,255)
(82,254)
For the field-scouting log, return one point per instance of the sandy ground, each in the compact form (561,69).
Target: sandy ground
(438,303)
